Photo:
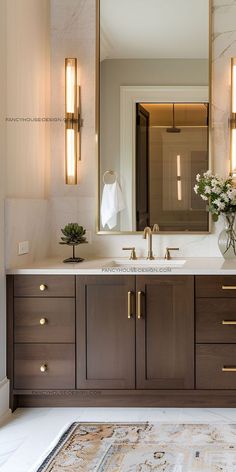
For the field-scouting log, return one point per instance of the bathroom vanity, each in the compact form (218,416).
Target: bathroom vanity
(83,336)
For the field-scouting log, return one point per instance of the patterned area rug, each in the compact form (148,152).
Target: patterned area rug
(144,447)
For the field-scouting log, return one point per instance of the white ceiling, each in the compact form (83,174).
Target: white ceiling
(153,29)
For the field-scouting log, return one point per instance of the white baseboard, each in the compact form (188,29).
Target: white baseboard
(4,397)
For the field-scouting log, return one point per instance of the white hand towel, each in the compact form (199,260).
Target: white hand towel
(112,203)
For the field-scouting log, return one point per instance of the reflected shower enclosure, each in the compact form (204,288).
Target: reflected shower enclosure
(172,146)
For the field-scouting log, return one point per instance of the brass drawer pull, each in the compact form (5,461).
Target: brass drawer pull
(43,287)
(228,322)
(43,321)
(43,368)
(139,305)
(129,304)
(228,287)
(228,369)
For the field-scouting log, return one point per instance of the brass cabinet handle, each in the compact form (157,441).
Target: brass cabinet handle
(43,287)
(228,369)
(43,321)
(139,305)
(129,304)
(43,368)
(228,287)
(228,322)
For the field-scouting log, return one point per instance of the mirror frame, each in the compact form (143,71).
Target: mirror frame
(97,130)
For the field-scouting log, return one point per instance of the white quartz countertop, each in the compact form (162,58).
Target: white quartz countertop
(105,266)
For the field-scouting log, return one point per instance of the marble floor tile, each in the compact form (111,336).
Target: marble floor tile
(29,434)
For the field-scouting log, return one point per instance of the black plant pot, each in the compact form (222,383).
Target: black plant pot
(73,259)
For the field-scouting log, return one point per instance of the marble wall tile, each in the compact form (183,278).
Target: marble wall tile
(26,220)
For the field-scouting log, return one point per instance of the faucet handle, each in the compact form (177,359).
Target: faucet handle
(168,249)
(155,228)
(132,256)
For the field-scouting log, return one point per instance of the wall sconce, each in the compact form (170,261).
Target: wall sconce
(233,121)
(72,121)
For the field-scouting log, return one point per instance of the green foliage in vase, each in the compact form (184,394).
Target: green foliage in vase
(73,234)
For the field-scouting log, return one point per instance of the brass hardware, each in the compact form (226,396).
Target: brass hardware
(225,322)
(139,305)
(167,254)
(43,368)
(155,229)
(111,173)
(228,369)
(43,287)
(132,256)
(228,287)
(129,304)
(43,321)
(147,234)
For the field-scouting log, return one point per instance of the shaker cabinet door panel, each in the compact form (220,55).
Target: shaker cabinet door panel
(105,332)
(165,332)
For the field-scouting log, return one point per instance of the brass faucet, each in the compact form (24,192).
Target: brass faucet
(147,234)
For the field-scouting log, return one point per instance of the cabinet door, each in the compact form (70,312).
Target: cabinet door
(165,332)
(105,332)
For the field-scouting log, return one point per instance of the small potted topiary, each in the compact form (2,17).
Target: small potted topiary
(73,235)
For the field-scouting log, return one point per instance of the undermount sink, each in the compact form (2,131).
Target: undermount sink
(119,262)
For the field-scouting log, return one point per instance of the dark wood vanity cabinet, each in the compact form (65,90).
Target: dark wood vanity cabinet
(216,332)
(165,332)
(122,340)
(118,316)
(105,332)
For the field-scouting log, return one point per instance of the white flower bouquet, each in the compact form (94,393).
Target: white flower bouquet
(220,193)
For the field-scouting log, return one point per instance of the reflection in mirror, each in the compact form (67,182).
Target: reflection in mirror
(171,148)
(154,114)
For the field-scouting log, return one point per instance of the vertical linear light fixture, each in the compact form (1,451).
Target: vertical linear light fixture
(72,121)
(179,183)
(233,121)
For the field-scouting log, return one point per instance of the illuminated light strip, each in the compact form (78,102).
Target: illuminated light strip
(179,183)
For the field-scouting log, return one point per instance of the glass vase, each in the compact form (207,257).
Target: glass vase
(227,237)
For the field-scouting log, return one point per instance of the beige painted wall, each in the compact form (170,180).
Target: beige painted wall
(27,143)
(28,95)
(2,188)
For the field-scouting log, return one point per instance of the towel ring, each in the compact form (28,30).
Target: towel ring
(109,172)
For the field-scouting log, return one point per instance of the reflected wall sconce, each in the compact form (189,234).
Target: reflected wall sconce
(233,121)
(72,122)
(179,183)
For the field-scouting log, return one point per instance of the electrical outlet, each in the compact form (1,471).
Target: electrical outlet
(23,248)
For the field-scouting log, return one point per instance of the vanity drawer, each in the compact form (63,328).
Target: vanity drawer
(215,286)
(48,320)
(216,320)
(59,362)
(44,286)
(211,359)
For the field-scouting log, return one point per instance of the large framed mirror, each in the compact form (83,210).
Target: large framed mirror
(153,114)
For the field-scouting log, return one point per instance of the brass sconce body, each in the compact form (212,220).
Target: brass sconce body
(72,121)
